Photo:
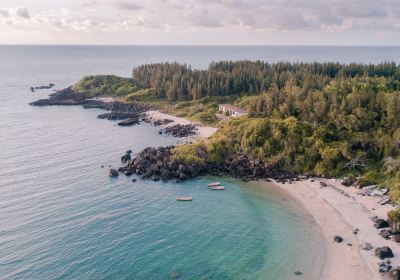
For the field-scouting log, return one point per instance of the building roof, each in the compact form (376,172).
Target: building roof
(233,108)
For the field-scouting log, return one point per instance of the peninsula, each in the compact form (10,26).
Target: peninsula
(305,124)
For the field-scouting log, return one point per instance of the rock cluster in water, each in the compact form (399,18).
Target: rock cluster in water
(161,164)
(49,86)
(127,113)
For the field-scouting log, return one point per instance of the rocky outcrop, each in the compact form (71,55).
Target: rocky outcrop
(161,164)
(384,252)
(180,130)
(65,96)
(162,122)
(130,114)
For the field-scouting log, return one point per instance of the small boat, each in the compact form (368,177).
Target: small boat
(384,201)
(188,198)
(214,184)
(217,188)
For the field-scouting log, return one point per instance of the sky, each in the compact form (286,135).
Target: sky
(200,22)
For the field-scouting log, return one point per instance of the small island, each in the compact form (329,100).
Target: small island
(307,126)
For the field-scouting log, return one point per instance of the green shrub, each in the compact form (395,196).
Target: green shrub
(106,85)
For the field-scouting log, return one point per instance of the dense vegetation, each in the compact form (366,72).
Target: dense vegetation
(179,82)
(106,85)
(322,119)
(316,118)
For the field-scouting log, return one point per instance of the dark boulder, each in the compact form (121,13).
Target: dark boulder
(385,233)
(381,223)
(337,238)
(384,252)
(125,158)
(396,238)
(128,172)
(348,181)
(129,122)
(113,173)
(384,267)
(155,178)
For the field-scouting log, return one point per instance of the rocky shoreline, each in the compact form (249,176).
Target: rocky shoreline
(161,164)
(127,113)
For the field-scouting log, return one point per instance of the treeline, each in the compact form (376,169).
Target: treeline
(321,119)
(178,82)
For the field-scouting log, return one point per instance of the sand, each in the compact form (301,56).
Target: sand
(338,210)
(203,132)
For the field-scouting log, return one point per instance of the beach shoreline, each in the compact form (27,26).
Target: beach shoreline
(338,210)
(202,132)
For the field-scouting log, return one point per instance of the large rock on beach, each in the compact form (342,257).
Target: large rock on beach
(180,130)
(338,239)
(384,252)
(381,223)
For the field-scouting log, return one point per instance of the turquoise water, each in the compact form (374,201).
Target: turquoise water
(62,218)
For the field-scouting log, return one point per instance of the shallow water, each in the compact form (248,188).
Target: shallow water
(62,218)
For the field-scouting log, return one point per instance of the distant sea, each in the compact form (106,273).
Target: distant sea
(61,216)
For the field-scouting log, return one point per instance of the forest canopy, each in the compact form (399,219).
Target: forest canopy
(180,82)
(316,118)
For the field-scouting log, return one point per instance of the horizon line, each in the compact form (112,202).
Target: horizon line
(199,45)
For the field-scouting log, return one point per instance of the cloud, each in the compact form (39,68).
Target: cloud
(127,5)
(4,13)
(22,12)
(204,18)
(230,16)
(118,4)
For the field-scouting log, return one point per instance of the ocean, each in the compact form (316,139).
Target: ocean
(62,217)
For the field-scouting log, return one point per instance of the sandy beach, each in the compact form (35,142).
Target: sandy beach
(338,210)
(202,132)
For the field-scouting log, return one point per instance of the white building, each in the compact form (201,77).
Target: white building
(232,110)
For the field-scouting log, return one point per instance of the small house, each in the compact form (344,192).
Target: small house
(232,110)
